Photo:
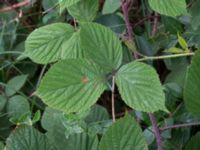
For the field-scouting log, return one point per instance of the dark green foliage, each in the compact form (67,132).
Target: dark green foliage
(71,68)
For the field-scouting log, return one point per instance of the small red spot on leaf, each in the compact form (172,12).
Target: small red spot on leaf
(84,79)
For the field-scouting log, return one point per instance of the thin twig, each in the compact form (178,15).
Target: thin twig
(156,131)
(141,21)
(19,13)
(123,113)
(50,9)
(175,111)
(113,98)
(10,52)
(191,3)
(14,6)
(180,126)
(41,75)
(155,24)
(165,57)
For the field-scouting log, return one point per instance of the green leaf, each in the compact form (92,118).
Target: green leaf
(97,113)
(5,125)
(66,3)
(82,142)
(169,7)
(144,46)
(182,42)
(24,119)
(172,25)
(125,134)
(44,45)
(174,89)
(130,45)
(114,22)
(52,122)
(55,124)
(140,87)
(74,123)
(72,85)
(176,64)
(15,84)
(177,76)
(184,133)
(36,116)
(72,48)
(110,6)
(192,86)
(28,68)
(50,117)
(27,138)
(17,107)
(149,135)
(194,143)
(101,45)
(3,102)
(98,120)
(174,50)
(1,146)
(85,10)
(194,11)
(48,4)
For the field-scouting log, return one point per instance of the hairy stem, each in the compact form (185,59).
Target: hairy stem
(180,126)
(156,131)
(125,10)
(165,57)
(113,98)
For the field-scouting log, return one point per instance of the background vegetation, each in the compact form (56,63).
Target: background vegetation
(163,34)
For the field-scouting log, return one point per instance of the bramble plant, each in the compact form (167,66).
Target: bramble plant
(85,58)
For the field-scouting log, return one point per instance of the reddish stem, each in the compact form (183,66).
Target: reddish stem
(125,9)
(156,131)
(14,6)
